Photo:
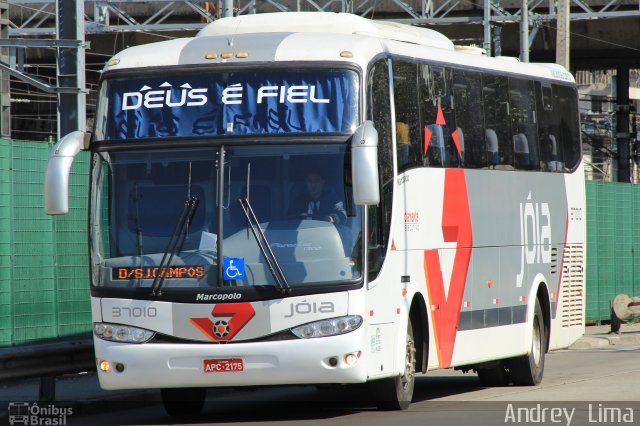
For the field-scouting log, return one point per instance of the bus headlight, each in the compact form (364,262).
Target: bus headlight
(328,327)
(121,333)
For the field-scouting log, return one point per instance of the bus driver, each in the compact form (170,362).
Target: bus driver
(318,202)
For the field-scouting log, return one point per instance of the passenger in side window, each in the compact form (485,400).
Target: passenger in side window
(402,142)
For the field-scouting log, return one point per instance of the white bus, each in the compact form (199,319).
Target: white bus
(445,227)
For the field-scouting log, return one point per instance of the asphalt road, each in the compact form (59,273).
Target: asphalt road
(580,387)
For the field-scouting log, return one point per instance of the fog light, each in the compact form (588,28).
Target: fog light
(105,366)
(333,361)
(352,358)
(119,367)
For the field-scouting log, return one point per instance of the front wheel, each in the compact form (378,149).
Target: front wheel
(527,370)
(396,393)
(183,402)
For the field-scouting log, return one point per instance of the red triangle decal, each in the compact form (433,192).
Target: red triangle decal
(456,226)
(427,139)
(440,117)
(456,140)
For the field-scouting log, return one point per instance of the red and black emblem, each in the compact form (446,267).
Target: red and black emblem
(221,329)
(227,319)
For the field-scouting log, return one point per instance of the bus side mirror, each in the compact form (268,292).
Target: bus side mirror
(364,165)
(56,181)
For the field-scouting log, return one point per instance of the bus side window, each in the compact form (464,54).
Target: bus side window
(437,116)
(447,104)
(408,144)
(379,217)
(523,124)
(495,98)
(550,152)
(568,134)
(467,91)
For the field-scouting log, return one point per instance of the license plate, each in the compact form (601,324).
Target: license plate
(224,365)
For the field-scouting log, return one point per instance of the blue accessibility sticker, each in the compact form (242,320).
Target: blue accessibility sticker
(233,268)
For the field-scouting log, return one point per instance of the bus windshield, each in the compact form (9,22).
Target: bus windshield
(155,204)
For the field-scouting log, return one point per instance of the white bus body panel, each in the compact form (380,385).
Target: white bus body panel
(568,324)
(490,240)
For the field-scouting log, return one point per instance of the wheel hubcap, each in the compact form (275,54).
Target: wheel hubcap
(410,365)
(537,343)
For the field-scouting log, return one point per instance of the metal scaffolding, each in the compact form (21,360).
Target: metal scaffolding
(40,18)
(37,17)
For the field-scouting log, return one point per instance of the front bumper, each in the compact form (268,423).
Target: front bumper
(301,361)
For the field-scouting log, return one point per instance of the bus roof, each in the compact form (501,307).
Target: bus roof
(328,23)
(314,36)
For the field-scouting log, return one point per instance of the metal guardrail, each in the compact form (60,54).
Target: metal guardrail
(46,361)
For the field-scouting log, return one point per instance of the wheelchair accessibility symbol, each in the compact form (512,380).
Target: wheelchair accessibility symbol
(233,268)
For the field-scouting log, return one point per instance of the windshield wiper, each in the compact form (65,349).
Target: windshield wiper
(139,246)
(178,236)
(265,247)
(175,243)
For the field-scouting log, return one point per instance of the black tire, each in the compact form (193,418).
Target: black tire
(396,393)
(495,376)
(528,370)
(183,402)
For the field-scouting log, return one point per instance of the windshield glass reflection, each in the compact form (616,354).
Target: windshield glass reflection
(298,194)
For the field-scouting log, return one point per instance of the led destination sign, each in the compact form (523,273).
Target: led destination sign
(151,272)
(231,103)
